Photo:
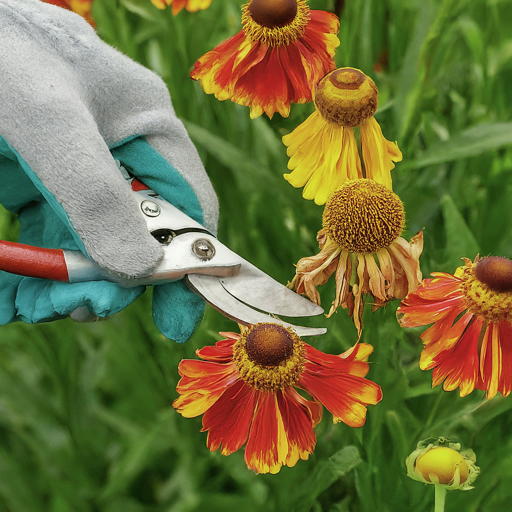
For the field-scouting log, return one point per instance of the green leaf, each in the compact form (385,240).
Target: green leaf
(460,240)
(471,142)
(326,473)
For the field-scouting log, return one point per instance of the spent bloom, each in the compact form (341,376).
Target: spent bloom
(245,388)
(360,242)
(178,5)
(281,52)
(468,347)
(440,462)
(323,150)
(81,7)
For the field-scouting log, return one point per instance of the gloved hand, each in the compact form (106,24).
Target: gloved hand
(69,105)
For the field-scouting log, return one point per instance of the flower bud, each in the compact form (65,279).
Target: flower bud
(441,462)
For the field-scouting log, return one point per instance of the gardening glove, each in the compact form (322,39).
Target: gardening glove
(70,105)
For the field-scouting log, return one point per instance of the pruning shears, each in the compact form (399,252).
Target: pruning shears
(229,283)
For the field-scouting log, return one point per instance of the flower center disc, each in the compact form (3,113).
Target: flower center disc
(269,357)
(487,288)
(347,97)
(275,22)
(363,216)
(268,344)
(495,272)
(273,13)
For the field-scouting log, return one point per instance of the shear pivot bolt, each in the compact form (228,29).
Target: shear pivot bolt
(203,249)
(150,208)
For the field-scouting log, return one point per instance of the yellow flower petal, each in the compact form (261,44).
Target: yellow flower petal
(323,156)
(378,153)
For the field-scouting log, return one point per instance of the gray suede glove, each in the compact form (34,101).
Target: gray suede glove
(66,98)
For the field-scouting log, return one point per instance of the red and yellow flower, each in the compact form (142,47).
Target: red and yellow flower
(468,347)
(82,7)
(178,5)
(323,150)
(245,388)
(277,58)
(360,242)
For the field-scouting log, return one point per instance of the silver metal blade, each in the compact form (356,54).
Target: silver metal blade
(213,292)
(257,289)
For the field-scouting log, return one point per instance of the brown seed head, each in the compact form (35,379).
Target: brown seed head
(347,97)
(363,216)
(268,344)
(273,13)
(495,272)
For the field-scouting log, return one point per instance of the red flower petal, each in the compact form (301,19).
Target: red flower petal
(339,385)
(504,339)
(299,417)
(440,328)
(267,447)
(323,364)
(433,352)
(229,419)
(201,385)
(424,313)
(221,352)
(491,360)
(459,367)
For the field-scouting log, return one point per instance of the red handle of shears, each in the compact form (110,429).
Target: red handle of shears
(30,261)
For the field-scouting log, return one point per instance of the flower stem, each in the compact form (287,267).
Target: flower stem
(440,496)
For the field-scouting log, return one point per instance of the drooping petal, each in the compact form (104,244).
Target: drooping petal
(388,271)
(342,279)
(377,281)
(378,153)
(228,420)
(407,255)
(267,447)
(314,271)
(323,156)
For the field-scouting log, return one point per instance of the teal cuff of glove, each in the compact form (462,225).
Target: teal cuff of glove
(177,311)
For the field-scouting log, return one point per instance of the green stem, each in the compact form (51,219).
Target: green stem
(440,496)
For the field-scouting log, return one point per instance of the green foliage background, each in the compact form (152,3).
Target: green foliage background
(86,422)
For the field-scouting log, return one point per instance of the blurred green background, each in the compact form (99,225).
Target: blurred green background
(86,422)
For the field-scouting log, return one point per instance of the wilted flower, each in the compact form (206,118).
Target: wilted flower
(441,462)
(245,387)
(469,344)
(361,242)
(177,5)
(279,55)
(323,150)
(82,7)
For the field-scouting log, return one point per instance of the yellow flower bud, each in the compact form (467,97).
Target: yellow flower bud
(442,463)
